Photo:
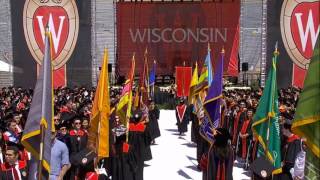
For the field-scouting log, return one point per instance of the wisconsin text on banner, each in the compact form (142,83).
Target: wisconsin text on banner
(265,122)
(99,124)
(41,113)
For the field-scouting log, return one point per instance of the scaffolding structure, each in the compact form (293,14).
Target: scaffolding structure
(6,74)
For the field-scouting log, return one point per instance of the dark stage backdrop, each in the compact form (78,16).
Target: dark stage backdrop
(177,32)
(294,25)
(78,70)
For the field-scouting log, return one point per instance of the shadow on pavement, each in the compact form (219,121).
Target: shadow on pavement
(183,174)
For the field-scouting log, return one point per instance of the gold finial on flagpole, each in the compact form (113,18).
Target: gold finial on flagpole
(276,52)
(223,50)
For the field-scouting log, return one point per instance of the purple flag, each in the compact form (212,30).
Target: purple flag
(205,130)
(212,104)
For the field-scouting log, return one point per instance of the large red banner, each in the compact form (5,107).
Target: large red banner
(183,80)
(177,32)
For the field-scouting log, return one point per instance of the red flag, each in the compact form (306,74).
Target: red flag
(144,82)
(183,80)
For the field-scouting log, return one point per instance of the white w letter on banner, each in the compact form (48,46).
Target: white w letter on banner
(310,28)
(55,37)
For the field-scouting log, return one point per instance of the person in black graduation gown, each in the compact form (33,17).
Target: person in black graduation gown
(238,119)
(261,169)
(202,146)
(12,169)
(194,124)
(124,161)
(154,115)
(290,151)
(137,140)
(147,132)
(245,135)
(220,157)
(182,117)
(77,141)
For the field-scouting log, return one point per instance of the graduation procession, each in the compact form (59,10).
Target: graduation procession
(159,89)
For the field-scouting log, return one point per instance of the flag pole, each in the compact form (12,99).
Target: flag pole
(154,83)
(130,98)
(183,77)
(42,129)
(276,53)
(43,121)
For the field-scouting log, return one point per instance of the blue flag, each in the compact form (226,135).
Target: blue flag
(209,67)
(41,113)
(152,79)
(152,76)
(212,104)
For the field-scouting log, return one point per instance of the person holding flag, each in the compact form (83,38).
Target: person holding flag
(220,153)
(265,124)
(306,121)
(36,136)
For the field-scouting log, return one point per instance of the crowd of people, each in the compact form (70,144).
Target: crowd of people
(234,139)
(69,157)
(72,109)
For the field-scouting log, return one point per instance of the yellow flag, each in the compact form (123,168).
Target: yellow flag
(99,124)
(193,84)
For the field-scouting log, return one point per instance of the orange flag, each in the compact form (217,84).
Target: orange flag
(99,123)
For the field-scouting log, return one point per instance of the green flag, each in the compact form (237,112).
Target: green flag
(265,122)
(306,122)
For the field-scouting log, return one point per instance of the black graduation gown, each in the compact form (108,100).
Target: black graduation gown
(244,142)
(219,167)
(6,171)
(237,126)
(153,123)
(138,139)
(182,119)
(77,141)
(202,147)
(124,164)
(289,155)
(194,124)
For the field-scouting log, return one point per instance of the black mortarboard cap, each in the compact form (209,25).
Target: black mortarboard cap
(262,168)
(221,137)
(137,114)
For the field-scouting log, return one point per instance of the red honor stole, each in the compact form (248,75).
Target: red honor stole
(292,138)
(244,140)
(221,170)
(235,127)
(77,133)
(7,167)
(181,109)
(140,127)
